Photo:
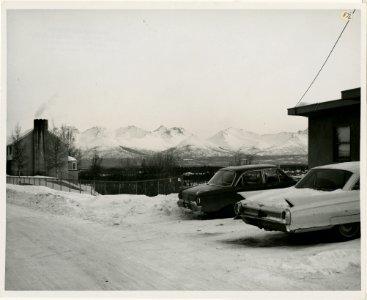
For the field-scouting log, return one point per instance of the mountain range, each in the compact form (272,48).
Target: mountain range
(132,141)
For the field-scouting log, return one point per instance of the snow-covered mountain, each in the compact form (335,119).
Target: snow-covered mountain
(194,146)
(235,139)
(283,143)
(131,137)
(133,141)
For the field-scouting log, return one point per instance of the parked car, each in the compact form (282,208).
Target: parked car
(220,194)
(327,197)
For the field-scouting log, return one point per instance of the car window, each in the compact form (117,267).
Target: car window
(282,176)
(222,178)
(324,179)
(356,186)
(250,178)
(271,176)
(308,181)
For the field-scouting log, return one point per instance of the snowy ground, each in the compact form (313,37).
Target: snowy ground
(69,241)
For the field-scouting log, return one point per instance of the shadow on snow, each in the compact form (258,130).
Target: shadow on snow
(281,239)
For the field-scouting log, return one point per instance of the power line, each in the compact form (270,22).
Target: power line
(331,51)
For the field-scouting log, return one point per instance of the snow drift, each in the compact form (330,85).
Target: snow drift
(107,209)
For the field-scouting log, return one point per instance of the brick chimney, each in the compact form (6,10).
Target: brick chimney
(40,130)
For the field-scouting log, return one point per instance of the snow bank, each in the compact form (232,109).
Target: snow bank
(107,209)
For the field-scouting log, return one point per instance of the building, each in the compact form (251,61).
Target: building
(43,154)
(333,128)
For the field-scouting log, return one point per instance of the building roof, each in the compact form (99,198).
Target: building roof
(70,158)
(10,141)
(348,98)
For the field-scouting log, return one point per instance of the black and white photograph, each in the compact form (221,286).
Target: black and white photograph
(202,148)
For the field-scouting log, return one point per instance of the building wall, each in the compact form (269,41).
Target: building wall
(38,148)
(28,167)
(321,129)
(73,174)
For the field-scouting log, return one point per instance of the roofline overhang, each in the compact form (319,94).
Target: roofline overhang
(349,98)
(308,110)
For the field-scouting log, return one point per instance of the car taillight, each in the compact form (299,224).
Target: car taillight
(238,208)
(286,215)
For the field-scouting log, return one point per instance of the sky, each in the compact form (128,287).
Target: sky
(204,70)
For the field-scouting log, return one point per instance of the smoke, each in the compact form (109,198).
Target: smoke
(45,106)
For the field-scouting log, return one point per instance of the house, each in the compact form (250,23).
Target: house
(333,128)
(43,153)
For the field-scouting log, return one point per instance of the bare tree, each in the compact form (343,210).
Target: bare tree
(67,135)
(56,151)
(161,163)
(96,162)
(240,158)
(237,158)
(18,149)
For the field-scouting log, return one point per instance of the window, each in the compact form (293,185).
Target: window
(250,178)
(342,143)
(74,166)
(282,176)
(324,179)
(271,175)
(222,178)
(356,186)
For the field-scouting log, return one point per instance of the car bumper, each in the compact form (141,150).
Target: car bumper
(264,218)
(189,204)
(267,224)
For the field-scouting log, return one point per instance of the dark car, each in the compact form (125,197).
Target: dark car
(220,194)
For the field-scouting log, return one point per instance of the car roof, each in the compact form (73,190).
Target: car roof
(352,166)
(249,167)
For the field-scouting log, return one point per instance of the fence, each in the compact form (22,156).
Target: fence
(146,187)
(69,185)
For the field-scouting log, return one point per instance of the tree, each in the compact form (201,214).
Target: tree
(240,158)
(55,155)
(96,162)
(161,163)
(18,148)
(67,135)
(237,158)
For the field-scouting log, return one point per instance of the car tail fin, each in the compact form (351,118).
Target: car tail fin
(289,202)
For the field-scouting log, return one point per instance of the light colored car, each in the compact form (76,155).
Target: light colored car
(327,197)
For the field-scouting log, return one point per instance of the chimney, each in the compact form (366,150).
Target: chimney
(40,130)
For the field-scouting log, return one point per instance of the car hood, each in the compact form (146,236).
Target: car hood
(286,197)
(204,188)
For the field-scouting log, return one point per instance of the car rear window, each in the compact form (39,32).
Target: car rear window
(324,179)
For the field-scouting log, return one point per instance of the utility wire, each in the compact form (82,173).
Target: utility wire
(331,51)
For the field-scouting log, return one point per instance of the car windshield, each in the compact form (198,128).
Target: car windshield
(324,179)
(222,178)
